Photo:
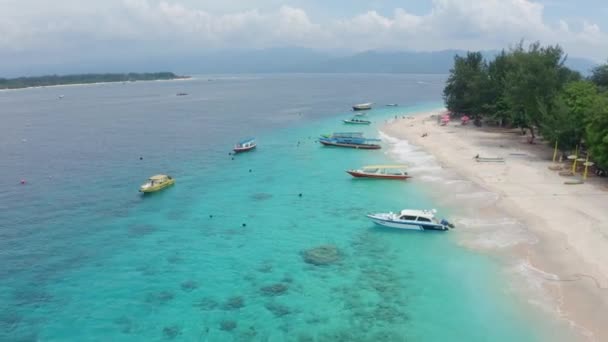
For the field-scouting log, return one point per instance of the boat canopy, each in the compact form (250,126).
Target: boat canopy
(423,213)
(159,177)
(385,167)
(244,141)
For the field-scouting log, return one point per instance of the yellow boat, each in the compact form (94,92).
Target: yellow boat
(156,183)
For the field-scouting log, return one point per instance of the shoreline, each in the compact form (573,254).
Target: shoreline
(552,235)
(189,78)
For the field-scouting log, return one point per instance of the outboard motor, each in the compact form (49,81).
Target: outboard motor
(445,222)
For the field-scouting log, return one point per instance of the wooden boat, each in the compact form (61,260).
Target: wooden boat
(411,219)
(381,172)
(355,121)
(351,140)
(363,106)
(245,145)
(156,183)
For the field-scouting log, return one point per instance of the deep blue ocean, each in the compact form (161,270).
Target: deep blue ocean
(220,255)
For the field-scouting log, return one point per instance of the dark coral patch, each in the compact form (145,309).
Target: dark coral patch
(234,303)
(189,285)
(274,289)
(227,325)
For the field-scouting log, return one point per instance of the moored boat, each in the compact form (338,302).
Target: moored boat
(245,145)
(351,140)
(411,219)
(381,172)
(156,183)
(355,121)
(363,106)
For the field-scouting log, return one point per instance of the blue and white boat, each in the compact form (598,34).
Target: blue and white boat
(350,139)
(245,145)
(411,219)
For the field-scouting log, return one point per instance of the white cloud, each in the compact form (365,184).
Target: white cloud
(468,24)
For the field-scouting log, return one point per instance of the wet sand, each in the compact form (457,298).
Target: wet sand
(555,235)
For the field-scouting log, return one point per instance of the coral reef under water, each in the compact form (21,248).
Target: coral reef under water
(321,255)
(274,289)
(234,303)
(189,285)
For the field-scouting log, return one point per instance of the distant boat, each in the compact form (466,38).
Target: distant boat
(411,219)
(392,105)
(182,94)
(245,145)
(381,172)
(61,96)
(156,183)
(363,106)
(355,121)
(351,140)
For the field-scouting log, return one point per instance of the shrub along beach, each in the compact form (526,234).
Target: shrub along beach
(522,98)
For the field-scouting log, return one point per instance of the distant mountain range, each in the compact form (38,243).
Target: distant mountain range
(298,60)
(276,60)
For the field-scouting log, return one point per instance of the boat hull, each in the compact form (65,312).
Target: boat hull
(348,122)
(357,174)
(363,106)
(355,146)
(244,149)
(405,225)
(157,187)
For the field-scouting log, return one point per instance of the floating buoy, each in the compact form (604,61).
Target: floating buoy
(141,158)
(300,194)
(244,224)
(22,181)
(249,170)
(232,158)
(210,216)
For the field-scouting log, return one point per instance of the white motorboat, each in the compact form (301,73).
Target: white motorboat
(411,219)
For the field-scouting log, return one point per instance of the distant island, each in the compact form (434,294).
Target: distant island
(53,80)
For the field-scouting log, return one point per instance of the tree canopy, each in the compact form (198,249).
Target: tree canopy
(531,88)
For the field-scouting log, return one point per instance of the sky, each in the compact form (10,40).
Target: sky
(36,32)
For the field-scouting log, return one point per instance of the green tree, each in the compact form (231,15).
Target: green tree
(465,90)
(565,121)
(532,82)
(495,107)
(599,76)
(597,131)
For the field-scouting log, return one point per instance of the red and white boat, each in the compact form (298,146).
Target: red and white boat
(245,145)
(381,172)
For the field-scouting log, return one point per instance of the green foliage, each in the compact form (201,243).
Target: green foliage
(51,80)
(599,76)
(465,90)
(533,79)
(531,88)
(597,131)
(565,121)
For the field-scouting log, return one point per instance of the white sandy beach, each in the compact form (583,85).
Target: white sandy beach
(555,235)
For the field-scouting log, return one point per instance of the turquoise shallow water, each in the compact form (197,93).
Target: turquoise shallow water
(219,256)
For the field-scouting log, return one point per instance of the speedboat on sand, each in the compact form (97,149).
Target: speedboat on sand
(411,219)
